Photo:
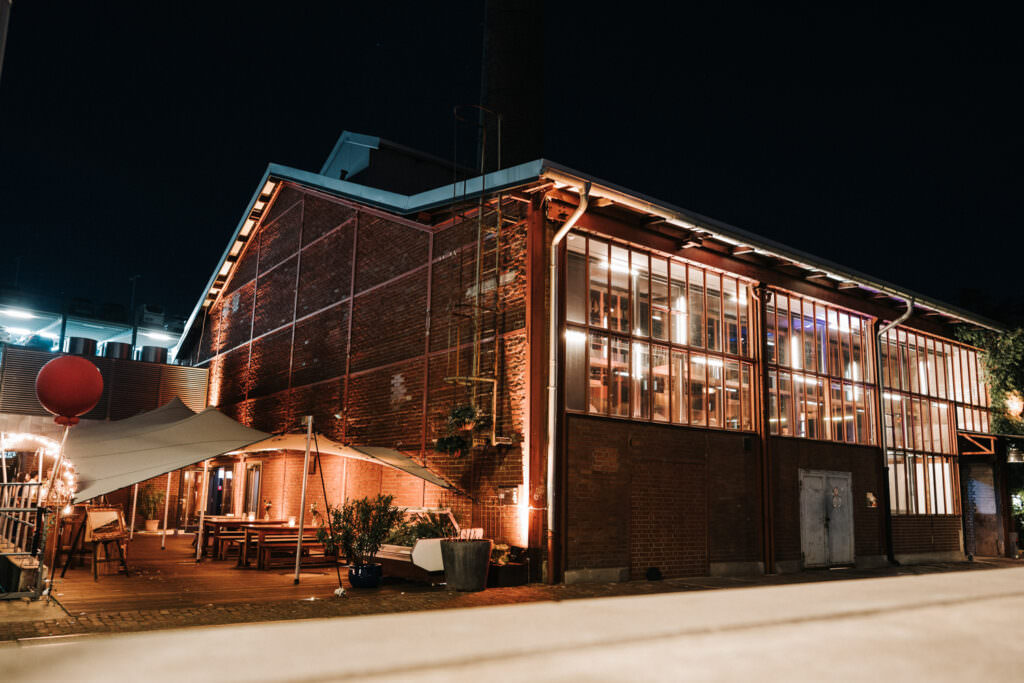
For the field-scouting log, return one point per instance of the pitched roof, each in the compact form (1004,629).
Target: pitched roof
(563,176)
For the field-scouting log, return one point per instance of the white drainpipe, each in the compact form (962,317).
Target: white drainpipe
(880,407)
(553,350)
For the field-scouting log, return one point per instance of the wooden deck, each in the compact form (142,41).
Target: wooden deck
(171,578)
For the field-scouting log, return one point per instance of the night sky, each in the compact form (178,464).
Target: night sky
(132,134)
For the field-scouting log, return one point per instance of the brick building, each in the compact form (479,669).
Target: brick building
(722,403)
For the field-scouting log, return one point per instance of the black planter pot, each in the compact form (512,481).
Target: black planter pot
(466,564)
(364,575)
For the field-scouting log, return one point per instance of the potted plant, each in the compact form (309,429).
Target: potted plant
(466,561)
(150,503)
(463,421)
(358,529)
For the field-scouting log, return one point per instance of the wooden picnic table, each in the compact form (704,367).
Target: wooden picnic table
(258,534)
(216,524)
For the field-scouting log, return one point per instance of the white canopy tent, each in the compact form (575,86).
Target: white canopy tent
(112,455)
(387,457)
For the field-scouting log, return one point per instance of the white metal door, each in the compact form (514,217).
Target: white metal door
(826,518)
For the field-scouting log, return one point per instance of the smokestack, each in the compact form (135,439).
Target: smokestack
(512,80)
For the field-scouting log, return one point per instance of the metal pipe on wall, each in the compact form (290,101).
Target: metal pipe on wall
(890,553)
(552,388)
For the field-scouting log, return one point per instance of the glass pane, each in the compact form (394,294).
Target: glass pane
(598,284)
(815,409)
(769,331)
(783,343)
(698,412)
(821,338)
(747,397)
(773,401)
(744,294)
(659,297)
(732,341)
(715,391)
(796,349)
(576,279)
(641,294)
(618,396)
(799,414)
(732,394)
(713,323)
(834,367)
(618,315)
(857,371)
(641,381)
(677,297)
(696,306)
(599,384)
(846,357)
(849,404)
(575,369)
(836,410)
(785,403)
(808,329)
(660,382)
(680,388)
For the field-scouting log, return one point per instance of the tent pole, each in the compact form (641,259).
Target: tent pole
(202,511)
(302,505)
(167,505)
(135,498)
(56,466)
(327,505)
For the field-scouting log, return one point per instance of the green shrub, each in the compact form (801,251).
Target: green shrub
(359,528)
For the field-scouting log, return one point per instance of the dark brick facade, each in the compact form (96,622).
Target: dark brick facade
(863,462)
(324,288)
(645,495)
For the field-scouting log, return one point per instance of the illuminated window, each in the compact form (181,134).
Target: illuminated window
(820,371)
(633,320)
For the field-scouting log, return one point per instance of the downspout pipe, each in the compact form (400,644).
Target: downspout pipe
(553,370)
(879,406)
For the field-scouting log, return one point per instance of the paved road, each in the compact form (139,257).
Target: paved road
(954,626)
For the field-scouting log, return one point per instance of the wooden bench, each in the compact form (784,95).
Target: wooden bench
(227,540)
(273,551)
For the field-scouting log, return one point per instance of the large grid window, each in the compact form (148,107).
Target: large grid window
(923,484)
(820,371)
(931,388)
(655,338)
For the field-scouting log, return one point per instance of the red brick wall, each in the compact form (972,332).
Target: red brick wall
(925,533)
(277,346)
(791,455)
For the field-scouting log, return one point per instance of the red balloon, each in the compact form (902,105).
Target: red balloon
(69,386)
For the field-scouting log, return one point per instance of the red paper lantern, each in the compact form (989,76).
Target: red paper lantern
(69,386)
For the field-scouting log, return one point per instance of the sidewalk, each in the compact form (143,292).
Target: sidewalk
(942,626)
(419,598)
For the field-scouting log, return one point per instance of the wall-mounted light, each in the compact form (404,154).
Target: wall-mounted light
(1014,404)
(15,313)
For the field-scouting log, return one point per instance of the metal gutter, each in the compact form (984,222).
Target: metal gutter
(552,389)
(890,552)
